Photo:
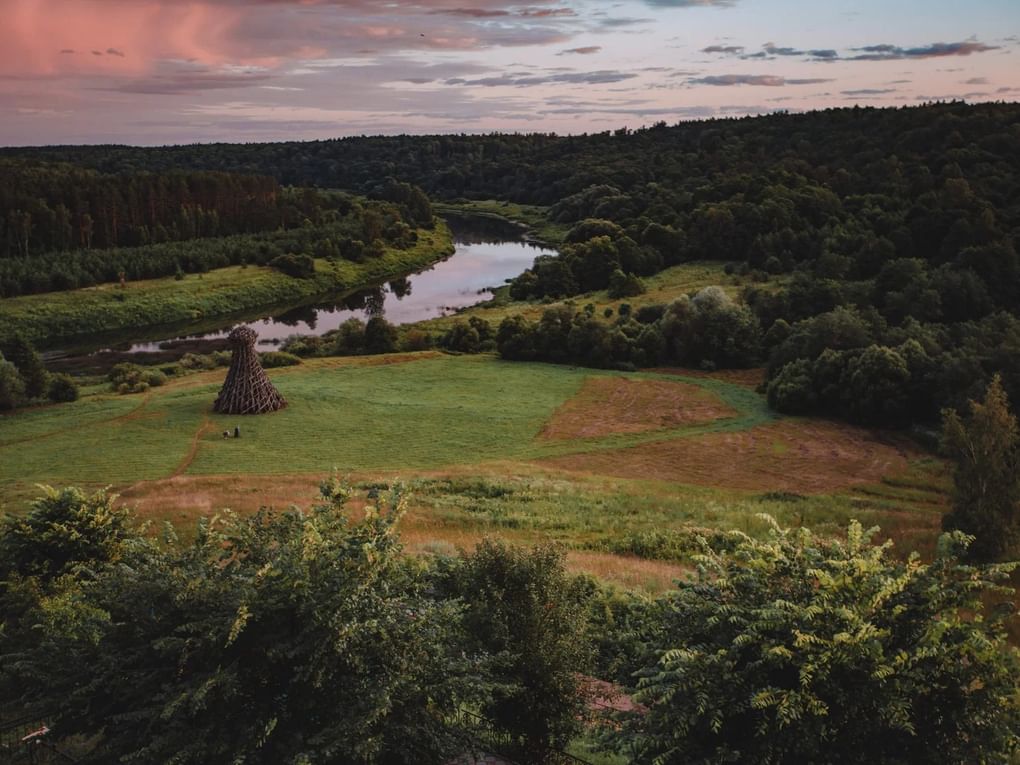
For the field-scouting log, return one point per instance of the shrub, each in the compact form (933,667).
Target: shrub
(298,266)
(532,617)
(416,340)
(19,352)
(154,378)
(197,361)
(793,649)
(624,285)
(12,388)
(986,480)
(293,637)
(131,378)
(473,336)
(272,359)
(202,361)
(62,388)
(380,336)
(64,528)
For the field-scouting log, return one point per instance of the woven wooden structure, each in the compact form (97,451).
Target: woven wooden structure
(247,390)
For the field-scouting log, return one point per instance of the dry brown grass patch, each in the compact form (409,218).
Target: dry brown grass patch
(187,497)
(805,456)
(608,405)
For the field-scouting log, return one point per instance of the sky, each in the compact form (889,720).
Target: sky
(153,72)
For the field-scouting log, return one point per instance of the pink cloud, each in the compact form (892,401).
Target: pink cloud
(129,36)
(38,30)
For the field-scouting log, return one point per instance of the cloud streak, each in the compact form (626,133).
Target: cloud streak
(765,80)
(880,52)
(184,70)
(601,77)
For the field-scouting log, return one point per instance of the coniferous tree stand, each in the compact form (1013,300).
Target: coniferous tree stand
(247,389)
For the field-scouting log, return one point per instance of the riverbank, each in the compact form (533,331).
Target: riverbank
(540,229)
(64,316)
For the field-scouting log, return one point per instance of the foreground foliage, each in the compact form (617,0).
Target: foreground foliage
(524,610)
(304,637)
(986,481)
(796,650)
(282,638)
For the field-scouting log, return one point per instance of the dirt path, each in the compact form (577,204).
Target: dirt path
(193,449)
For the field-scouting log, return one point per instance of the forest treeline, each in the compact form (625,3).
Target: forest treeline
(906,221)
(61,207)
(703,158)
(64,227)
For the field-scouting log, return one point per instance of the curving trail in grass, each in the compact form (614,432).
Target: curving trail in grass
(190,456)
(39,423)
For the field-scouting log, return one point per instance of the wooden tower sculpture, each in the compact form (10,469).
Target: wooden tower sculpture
(247,390)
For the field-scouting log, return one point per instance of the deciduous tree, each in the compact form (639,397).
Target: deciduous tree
(986,480)
(797,650)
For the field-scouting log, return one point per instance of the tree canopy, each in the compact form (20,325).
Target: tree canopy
(792,649)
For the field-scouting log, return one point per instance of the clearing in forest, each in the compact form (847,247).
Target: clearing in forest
(600,461)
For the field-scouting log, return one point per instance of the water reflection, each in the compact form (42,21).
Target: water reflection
(487,254)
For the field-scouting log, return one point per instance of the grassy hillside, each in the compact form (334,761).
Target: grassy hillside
(611,464)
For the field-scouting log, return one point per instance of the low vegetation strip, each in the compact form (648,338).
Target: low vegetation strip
(745,378)
(108,308)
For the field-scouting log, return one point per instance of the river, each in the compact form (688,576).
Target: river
(487,253)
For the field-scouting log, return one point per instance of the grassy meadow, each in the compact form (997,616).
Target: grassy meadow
(614,465)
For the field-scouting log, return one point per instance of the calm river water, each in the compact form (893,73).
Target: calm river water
(487,254)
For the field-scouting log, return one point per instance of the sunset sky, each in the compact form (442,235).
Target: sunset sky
(181,71)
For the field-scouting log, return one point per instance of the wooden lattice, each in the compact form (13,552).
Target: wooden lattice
(247,389)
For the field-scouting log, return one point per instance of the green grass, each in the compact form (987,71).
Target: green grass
(463,429)
(224,291)
(415,416)
(426,414)
(586,515)
(463,432)
(420,415)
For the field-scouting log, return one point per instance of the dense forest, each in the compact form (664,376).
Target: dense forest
(60,207)
(894,233)
(64,227)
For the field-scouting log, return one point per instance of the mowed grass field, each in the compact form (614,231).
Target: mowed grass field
(595,459)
